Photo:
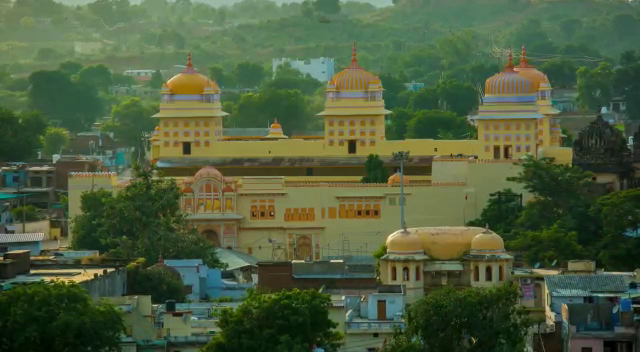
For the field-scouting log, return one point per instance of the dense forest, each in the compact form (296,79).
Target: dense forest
(452,46)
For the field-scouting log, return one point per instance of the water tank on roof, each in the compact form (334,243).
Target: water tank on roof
(55,158)
(171,306)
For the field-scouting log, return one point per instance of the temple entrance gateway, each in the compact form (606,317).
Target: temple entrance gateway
(211,236)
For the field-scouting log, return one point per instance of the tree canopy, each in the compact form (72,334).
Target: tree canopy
(292,321)
(57,317)
(375,169)
(161,285)
(21,135)
(131,123)
(55,138)
(74,105)
(474,319)
(142,220)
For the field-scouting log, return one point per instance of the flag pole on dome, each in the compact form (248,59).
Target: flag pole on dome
(354,56)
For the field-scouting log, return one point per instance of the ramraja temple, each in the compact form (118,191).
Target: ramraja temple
(281,197)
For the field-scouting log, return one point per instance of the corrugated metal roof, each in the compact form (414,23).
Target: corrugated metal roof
(21,237)
(584,285)
(235,259)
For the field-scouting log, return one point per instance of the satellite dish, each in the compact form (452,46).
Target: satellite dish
(537,265)
(616,309)
(554,263)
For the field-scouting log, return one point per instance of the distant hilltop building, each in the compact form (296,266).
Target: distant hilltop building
(414,86)
(321,68)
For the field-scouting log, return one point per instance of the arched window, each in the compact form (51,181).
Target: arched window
(405,274)
(500,273)
(394,274)
(476,273)
(418,273)
(488,273)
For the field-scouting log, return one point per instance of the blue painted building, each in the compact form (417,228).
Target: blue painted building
(14,176)
(21,241)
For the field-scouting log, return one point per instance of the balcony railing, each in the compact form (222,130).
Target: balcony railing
(363,326)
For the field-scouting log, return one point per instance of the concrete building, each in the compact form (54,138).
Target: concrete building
(31,242)
(371,319)
(599,327)
(194,276)
(16,268)
(87,48)
(156,328)
(321,69)
(335,274)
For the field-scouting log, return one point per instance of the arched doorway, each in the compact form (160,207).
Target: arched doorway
(304,248)
(211,236)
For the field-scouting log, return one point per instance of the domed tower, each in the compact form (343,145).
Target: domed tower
(602,149)
(490,265)
(507,119)
(549,132)
(190,116)
(404,263)
(354,111)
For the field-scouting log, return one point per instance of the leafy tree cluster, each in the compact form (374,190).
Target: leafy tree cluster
(161,285)
(143,220)
(21,135)
(375,170)
(57,317)
(476,319)
(286,321)
(598,86)
(435,124)
(566,219)
(131,123)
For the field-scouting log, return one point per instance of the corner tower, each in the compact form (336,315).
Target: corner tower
(190,117)
(354,111)
(549,131)
(508,117)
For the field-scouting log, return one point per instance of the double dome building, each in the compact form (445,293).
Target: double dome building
(426,258)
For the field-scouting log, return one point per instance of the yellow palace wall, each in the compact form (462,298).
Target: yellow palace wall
(299,147)
(441,203)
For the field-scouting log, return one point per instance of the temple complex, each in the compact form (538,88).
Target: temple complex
(282,197)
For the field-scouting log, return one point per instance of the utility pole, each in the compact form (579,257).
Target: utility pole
(401,157)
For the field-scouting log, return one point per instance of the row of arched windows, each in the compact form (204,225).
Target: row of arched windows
(488,273)
(405,273)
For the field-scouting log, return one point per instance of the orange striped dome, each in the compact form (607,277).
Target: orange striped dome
(508,82)
(354,77)
(526,70)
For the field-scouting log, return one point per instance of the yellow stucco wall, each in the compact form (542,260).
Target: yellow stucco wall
(330,231)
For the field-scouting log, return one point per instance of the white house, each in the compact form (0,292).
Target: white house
(322,68)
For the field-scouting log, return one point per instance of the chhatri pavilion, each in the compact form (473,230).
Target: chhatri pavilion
(283,197)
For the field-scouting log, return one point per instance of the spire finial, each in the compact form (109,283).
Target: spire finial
(189,63)
(354,56)
(510,60)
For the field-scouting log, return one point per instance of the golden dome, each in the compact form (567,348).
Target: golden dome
(446,243)
(189,81)
(508,82)
(528,71)
(402,241)
(396,178)
(487,241)
(275,131)
(208,171)
(354,77)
